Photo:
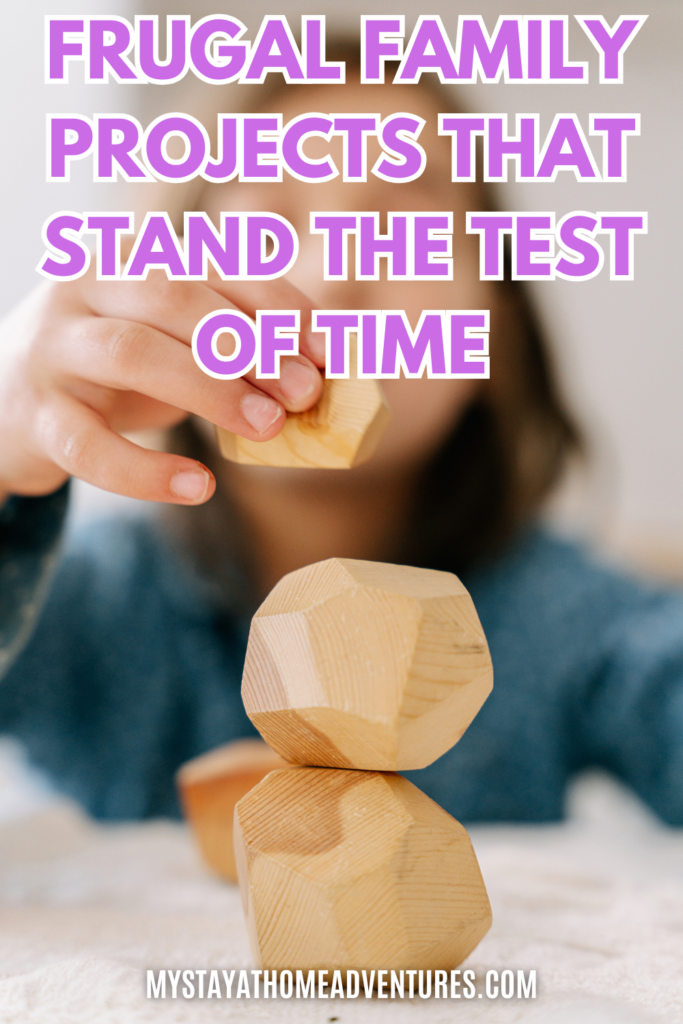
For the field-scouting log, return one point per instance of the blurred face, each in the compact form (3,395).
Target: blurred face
(423,411)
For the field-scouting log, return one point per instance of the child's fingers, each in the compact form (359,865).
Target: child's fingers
(176,307)
(77,440)
(280,294)
(131,411)
(126,356)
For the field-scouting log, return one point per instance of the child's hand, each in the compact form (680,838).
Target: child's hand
(82,362)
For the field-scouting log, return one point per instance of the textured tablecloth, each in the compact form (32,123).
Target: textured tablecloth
(595,906)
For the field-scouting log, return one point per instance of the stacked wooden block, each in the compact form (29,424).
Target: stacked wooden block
(356,671)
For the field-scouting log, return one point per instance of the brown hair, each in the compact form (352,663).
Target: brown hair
(490,476)
(509,449)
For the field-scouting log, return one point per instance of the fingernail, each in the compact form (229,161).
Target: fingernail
(316,345)
(191,484)
(297,380)
(260,412)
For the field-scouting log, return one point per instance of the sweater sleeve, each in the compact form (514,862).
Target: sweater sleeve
(588,672)
(130,670)
(631,720)
(30,532)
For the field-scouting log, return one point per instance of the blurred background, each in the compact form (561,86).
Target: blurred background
(617,343)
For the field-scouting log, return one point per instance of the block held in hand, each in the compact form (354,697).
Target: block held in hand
(341,431)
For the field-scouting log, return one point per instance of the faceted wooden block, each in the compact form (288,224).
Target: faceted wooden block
(210,786)
(341,431)
(350,869)
(356,664)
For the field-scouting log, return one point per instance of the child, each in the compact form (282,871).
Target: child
(134,662)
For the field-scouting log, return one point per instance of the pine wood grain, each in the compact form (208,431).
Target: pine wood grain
(209,787)
(354,869)
(341,431)
(354,664)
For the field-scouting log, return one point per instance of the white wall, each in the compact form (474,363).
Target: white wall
(27,200)
(617,343)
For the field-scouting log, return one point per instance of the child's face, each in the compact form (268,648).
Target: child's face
(423,411)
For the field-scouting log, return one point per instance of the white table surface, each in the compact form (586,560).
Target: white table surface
(595,905)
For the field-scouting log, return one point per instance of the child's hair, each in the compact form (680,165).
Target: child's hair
(502,459)
(505,454)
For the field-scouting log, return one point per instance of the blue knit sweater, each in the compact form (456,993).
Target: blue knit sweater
(120,663)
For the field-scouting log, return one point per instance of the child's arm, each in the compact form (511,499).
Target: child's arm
(83,362)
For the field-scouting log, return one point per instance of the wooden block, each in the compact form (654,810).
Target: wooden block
(210,786)
(341,431)
(356,664)
(350,869)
